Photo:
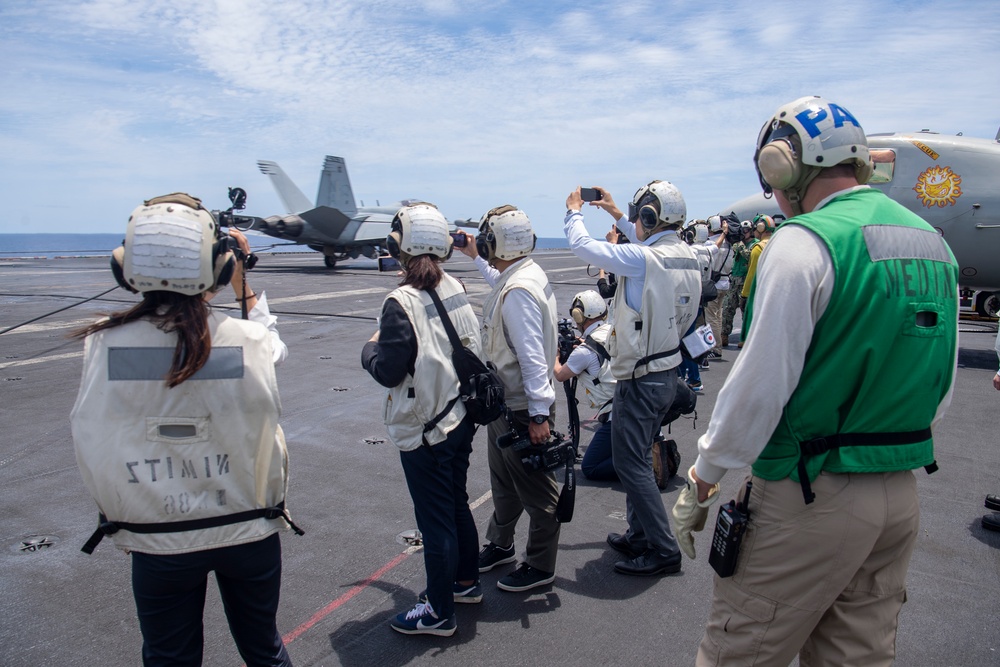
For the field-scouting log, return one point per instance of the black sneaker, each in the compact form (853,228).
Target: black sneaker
(493,555)
(525,577)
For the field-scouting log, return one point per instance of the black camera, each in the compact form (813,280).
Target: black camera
(733,233)
(238,197)
(556,453)
(567,339)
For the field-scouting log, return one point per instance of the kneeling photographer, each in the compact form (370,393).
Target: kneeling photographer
(590,362)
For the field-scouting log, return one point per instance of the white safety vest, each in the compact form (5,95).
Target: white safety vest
(420,397)
(671,293)
(205,450)
(601,389)
(523,274)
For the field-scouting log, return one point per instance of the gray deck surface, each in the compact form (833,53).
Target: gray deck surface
(348,575)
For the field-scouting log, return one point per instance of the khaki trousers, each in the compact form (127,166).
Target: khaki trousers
(516,491)
(825,581)
(713,315)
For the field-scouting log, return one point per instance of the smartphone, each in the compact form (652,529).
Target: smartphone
(460,239)
(591,194)
(386,263)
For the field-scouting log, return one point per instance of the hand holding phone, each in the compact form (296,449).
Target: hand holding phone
(591,194)
(460,239)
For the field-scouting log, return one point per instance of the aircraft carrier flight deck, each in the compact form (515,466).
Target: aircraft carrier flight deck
(357,565)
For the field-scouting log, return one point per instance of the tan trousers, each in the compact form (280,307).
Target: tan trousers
(713,315)
(825,581)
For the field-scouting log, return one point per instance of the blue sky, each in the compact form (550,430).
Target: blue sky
(466,104)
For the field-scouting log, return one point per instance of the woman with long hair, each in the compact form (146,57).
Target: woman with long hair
(176,434)
(410,354)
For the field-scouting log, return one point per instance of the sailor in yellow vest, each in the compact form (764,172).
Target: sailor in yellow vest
(848,365)
(520,336)
(411,354)
(177,437)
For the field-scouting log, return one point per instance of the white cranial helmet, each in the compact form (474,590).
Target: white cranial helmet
(419,229)
(714,224)
(657,204)
(171,246)
(802,138)
(588,306)
(505,233)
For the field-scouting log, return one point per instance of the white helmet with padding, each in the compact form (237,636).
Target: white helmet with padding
(802,138)
(657,204)
(588,305)
(172,245)
(419,229)
(505,233)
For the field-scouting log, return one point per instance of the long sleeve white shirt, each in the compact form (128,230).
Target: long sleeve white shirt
(522,319)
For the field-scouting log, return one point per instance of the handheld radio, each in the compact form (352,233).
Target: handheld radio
(730,527)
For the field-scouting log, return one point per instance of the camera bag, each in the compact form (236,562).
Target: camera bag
(480,387)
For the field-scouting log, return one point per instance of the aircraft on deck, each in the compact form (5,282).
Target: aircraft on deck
(335,226)
(952,182)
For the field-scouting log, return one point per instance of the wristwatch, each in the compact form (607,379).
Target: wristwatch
(540,419)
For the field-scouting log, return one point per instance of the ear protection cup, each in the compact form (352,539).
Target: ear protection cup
(117,269)
(576,312)
(864,170)
(779,164)
(485,244)
(648,217)
(223,265)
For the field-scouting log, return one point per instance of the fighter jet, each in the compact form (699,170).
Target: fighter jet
(949,181)
(335,226)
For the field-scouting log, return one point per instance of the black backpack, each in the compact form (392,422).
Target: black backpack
(480,387)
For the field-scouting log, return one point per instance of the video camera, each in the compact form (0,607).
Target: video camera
(556,453)
(238,197)
(733,234)
(567,339)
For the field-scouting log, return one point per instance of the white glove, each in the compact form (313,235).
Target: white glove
(689,514)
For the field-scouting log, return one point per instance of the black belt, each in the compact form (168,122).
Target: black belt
(106,527)
(818,446)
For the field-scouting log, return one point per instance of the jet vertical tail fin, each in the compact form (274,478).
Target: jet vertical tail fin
(291,196)
(335,187)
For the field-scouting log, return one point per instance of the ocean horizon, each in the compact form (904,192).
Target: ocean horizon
(52,246)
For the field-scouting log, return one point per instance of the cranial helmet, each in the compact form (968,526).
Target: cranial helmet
(746,227)
(172,245)
(714,224)
(764,223)
(505,233)
(418,229)
(803,137)
(657,204)
(588,306)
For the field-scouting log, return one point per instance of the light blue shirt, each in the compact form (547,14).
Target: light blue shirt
(626,259)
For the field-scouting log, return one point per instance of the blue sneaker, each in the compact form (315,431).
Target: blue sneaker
(463,594)
(421,620)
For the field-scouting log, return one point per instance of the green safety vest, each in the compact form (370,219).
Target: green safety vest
(882,355)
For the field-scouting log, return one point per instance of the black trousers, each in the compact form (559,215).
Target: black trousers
(436,476)
(170,600)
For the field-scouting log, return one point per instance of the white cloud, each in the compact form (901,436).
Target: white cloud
(466,104)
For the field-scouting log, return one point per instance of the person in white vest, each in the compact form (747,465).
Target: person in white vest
(590,362)
(520,337)
(722,267)
(411,355)
(659,288)
(176,435)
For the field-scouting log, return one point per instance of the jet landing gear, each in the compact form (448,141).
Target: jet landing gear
(330,262)
(988,304)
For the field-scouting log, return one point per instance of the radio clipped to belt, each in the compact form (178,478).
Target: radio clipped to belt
(730,528)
